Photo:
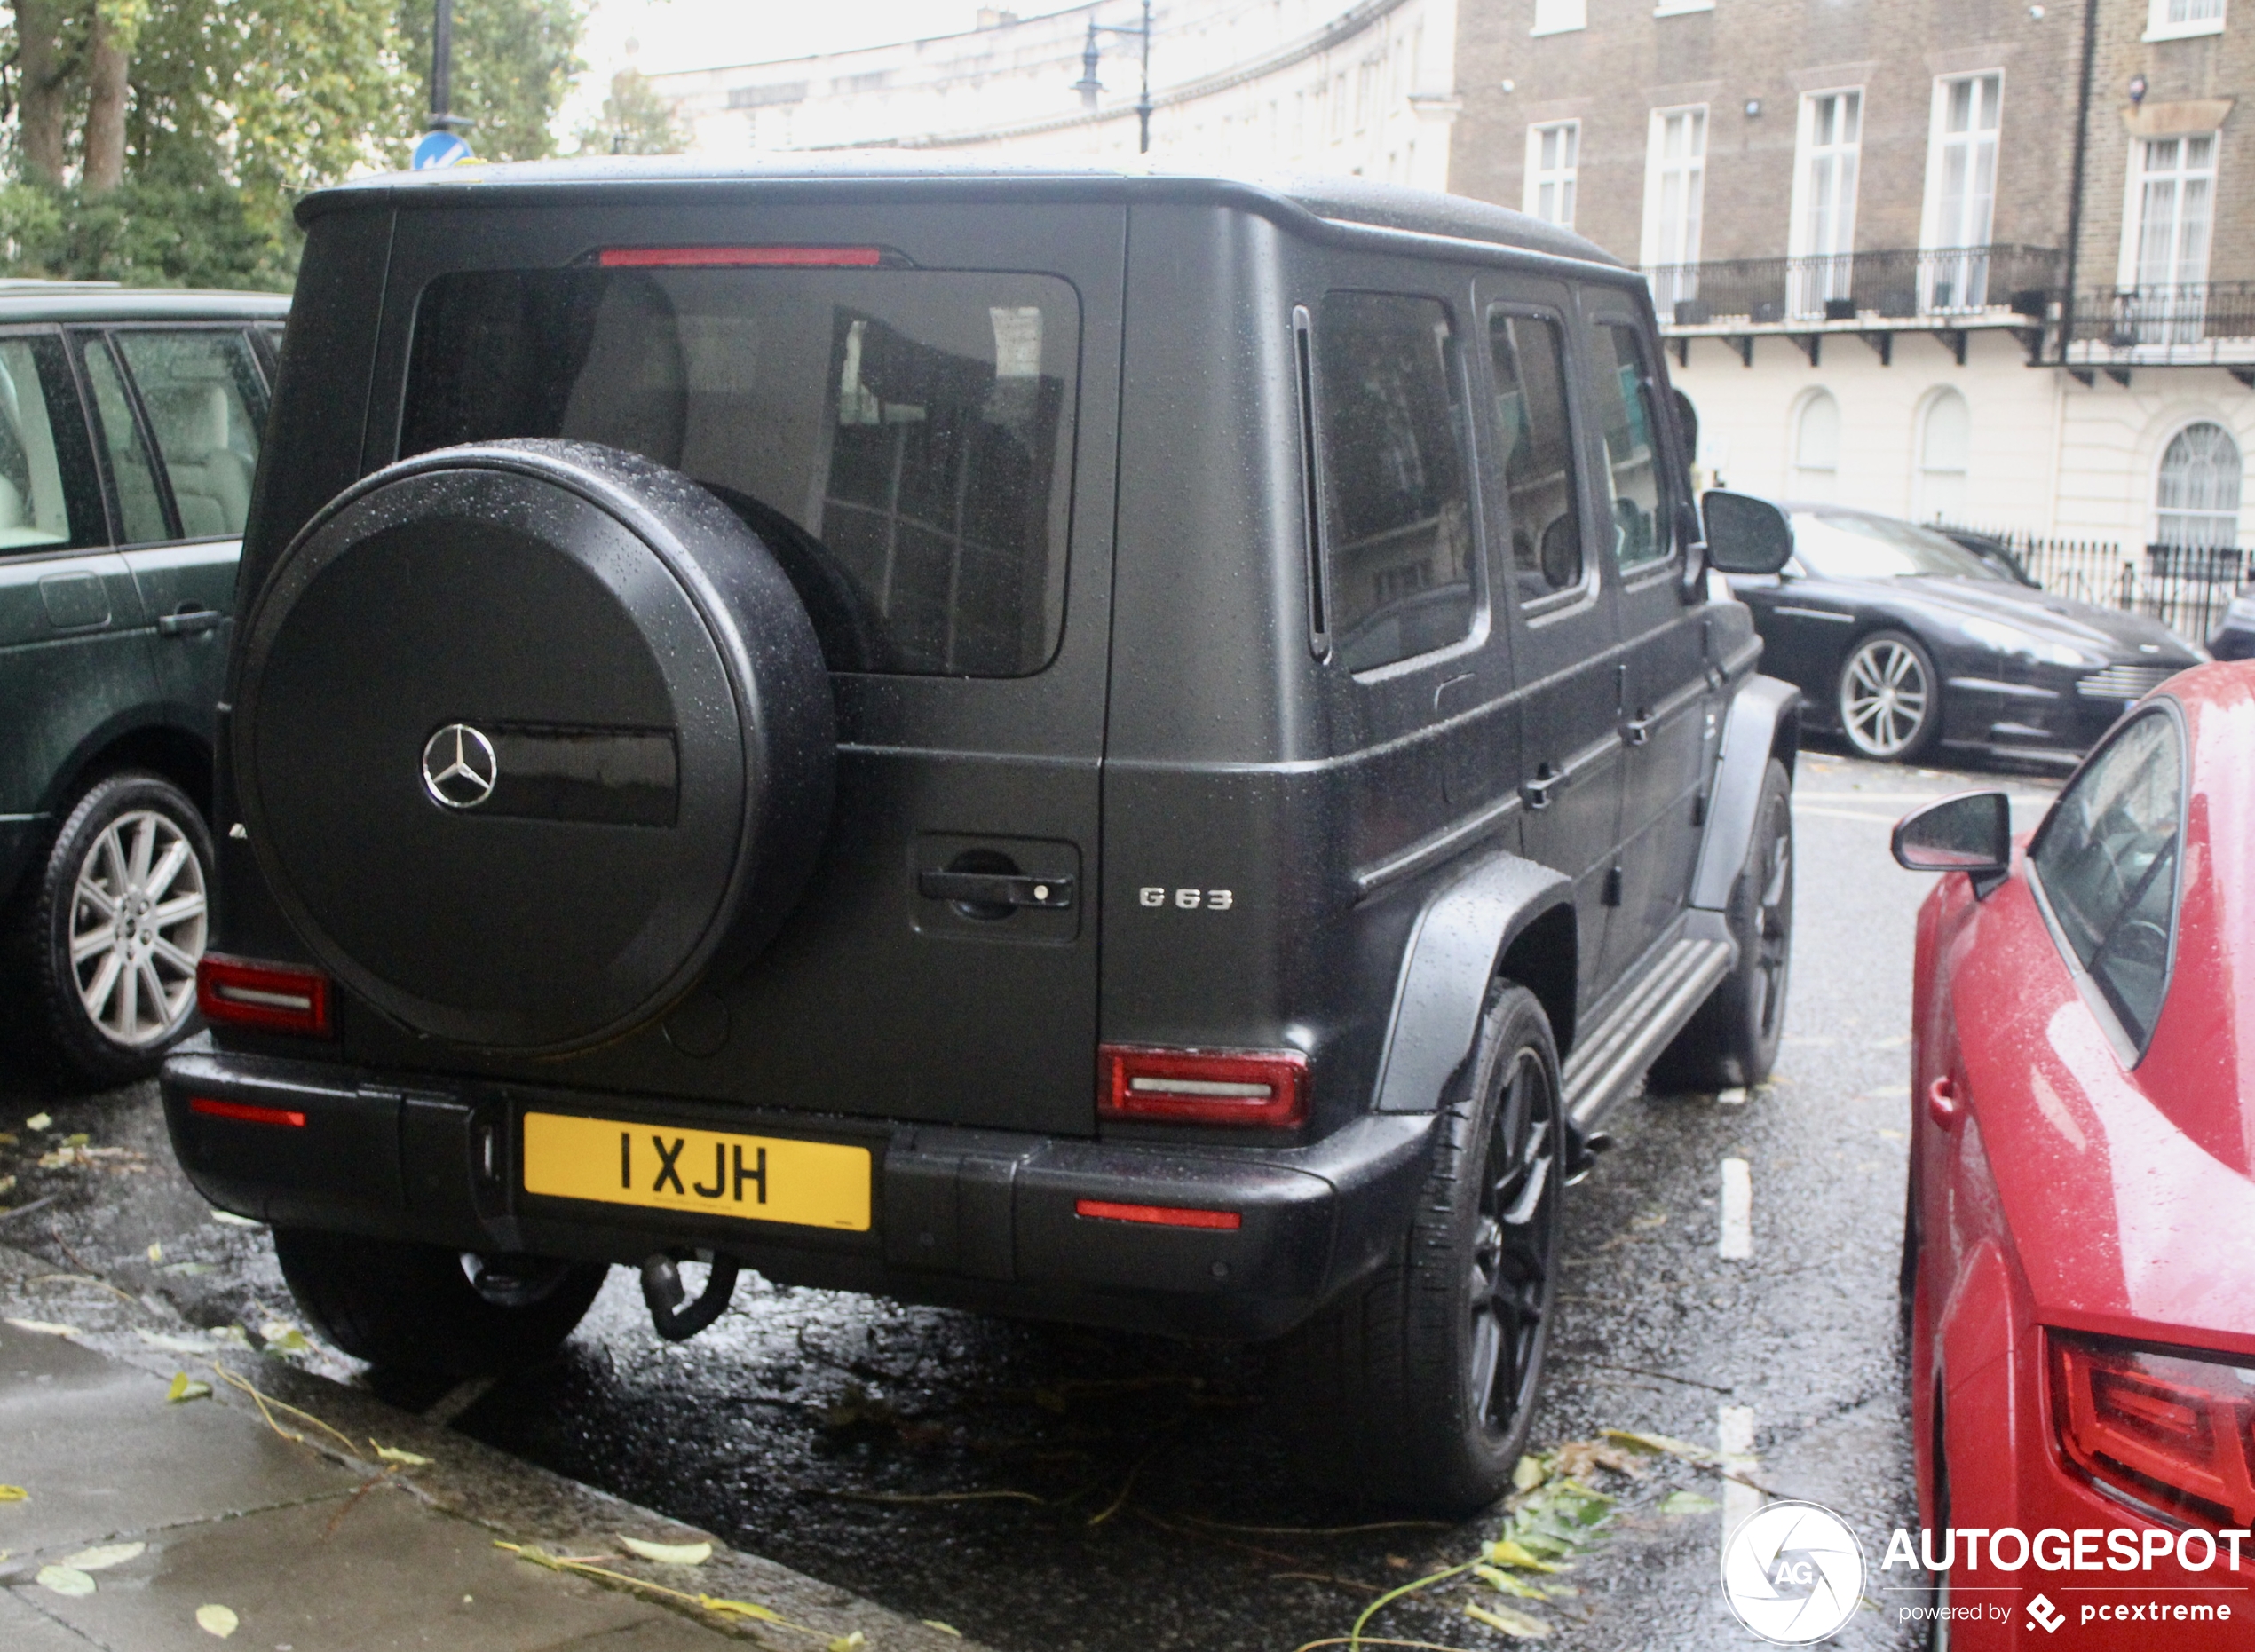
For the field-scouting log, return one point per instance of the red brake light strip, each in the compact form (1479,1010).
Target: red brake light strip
(243,1112)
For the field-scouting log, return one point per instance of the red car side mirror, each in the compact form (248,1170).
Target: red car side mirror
(1971,833)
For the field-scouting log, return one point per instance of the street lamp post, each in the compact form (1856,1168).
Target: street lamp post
(1088,85)
(442,64)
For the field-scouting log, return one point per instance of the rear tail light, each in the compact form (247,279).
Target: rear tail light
(246,1113)
(1159,1215)
(2174,1433)
(1266,1087)
(740,257)
(237,992)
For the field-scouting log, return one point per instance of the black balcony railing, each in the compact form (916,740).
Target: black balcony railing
(2177,322)
(1910,285)
(2185,586)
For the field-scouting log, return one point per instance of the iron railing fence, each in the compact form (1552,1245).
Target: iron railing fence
(2176,320)
(1901,284)
(2185,586)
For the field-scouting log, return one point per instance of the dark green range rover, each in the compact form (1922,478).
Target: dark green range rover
(129,430)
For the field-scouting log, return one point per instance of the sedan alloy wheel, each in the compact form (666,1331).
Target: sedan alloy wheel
(1889,697)
(138,920)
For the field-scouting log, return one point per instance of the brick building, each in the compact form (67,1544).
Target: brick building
(1980,259)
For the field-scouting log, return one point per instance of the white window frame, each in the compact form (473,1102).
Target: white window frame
(1923,473)
(1812,288)
(1566,177)
(1965,282)
(2153,493)
(1655,170)
(1677,8)
(2129,275)
(1796,469)
(2159,28)
(1559,17)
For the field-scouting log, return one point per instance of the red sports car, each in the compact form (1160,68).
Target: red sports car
(2079,1244)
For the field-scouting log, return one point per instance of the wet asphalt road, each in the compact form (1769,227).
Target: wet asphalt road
(1070,1491)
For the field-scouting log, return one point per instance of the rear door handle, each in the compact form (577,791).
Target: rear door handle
(1536,791)
(1638,729)
(188,621)
(996,889)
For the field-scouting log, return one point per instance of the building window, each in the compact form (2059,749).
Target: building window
(1817,447)
(1822,231)
(1675,167)
(1554,156)
(2173,192)
(1961,191)
(2196,498)
(2173,20)
(1555,17)
(1946,439)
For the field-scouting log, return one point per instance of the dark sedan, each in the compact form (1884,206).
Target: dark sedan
(1903,640)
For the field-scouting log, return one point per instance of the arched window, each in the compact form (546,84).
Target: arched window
(1817,447)
(1945,438)
(2197,498)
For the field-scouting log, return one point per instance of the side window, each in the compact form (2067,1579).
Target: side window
(1529,356)
(49,491)
(1396,486)
(2107,858)
(207,404)
(1626,412)
(139,505)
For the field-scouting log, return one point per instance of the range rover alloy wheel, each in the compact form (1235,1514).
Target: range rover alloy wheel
(1419,1389)
(1890,698)
(585,765)
(118,924)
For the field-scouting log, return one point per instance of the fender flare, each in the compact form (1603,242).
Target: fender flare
(1762,713)
(1454,949)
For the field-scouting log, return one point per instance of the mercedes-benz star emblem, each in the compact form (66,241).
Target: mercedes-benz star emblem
(458,767)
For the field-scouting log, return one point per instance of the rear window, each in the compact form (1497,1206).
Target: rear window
(900,439)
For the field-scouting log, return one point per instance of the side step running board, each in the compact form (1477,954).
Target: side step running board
(1618,1049)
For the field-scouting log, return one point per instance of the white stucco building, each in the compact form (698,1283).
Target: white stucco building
(1244,86)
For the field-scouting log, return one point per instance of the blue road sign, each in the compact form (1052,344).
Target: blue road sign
(439,149)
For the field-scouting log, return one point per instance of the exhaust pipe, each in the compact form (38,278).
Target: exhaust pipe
(672,1315)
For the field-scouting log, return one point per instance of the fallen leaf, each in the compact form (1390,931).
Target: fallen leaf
(81,1139)
(1673,1447)
(109,1554)
(1511,1552)
(1507,1583)
(7,1138)
(945,1629)
(14,1494)
(739,1609)
(1577,1458)
(186,1387)
(406,1459)
(668,1553)
(156,1252)
(234,1220)
(1686,1503)
(217,1620)
(173,1345)
(1518,1626)
(45,1327)
(234,1335)
(7,1184)
(283,1337)
(1528,1474)
(849,1643)
(65,1580)
(37,1121)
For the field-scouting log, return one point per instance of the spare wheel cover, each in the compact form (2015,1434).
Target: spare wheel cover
(530,737)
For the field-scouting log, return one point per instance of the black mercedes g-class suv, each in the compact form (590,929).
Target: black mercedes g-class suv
(1150,751)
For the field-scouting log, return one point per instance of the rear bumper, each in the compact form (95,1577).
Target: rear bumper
(978,1219)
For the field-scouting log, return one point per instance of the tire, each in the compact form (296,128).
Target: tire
(116,923)
(1732,1038)
(412,1307)
(1889,697)
(1418,1388)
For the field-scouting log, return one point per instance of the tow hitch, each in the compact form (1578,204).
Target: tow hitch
(672,1315)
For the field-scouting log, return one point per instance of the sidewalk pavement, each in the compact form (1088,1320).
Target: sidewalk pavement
(173,1507)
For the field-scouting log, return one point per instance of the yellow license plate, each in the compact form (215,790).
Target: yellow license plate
(763,1178)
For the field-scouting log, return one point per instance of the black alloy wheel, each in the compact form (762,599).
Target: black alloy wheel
(1419,1390)
(1890,698)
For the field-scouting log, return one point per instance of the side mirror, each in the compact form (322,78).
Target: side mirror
(1744,534)
(1971,833)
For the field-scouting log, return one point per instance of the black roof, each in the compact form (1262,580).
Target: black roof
(1289,197)
(107,301)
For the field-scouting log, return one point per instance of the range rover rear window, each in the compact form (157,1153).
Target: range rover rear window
(900,439)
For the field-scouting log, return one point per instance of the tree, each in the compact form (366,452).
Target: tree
(635,120)
(514,63)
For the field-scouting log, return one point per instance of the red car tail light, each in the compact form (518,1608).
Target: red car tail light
(274,997)
(2172,1432)
(1159,1215)
(740,257)
(1266,1087)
